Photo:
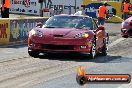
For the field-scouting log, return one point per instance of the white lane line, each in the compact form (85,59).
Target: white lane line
(116,42)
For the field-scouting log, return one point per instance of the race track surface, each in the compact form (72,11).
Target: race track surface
(19,70)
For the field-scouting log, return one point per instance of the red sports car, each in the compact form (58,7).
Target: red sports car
(68,33)
(126,30)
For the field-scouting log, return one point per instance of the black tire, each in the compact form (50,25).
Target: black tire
(93,49)
(125,36)
(107,39)
(104,48)
(33,53)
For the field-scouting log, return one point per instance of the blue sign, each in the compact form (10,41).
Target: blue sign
(92,10)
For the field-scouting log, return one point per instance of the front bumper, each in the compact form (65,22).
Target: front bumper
(126,32)
(60,47)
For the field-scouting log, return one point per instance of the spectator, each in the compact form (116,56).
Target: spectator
(126,9)
(82,11)
(5,8)
(102,14)
(51,10)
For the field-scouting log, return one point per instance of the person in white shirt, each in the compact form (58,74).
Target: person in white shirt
(81,12)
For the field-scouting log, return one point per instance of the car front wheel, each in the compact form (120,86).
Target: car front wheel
(125,36)
(104,48)
(93,50)
(33,53)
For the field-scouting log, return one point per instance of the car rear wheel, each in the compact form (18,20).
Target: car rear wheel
(93,50)
(125,36)
(33,53)
(104,48)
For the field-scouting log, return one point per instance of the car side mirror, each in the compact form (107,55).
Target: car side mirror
(101,28)
(39,25)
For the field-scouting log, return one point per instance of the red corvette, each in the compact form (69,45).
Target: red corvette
(126,30)
(68,33)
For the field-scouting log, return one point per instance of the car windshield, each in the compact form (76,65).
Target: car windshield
(69,22)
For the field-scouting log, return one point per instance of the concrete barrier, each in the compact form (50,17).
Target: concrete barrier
(4,31)
(14,30)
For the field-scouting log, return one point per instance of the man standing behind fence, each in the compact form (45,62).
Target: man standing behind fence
(5,8)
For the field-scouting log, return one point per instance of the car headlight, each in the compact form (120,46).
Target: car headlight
(81,35)
(36,33)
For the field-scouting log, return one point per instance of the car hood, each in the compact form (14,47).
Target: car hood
(62,31)
(129,19)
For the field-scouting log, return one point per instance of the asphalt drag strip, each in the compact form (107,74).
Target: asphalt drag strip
(19,70)
(118,62)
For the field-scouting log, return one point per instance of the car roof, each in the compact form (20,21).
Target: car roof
(73,15)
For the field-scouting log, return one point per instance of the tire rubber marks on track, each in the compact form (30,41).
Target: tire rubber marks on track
(36,75)
(126,85)
(116,42)
(112,44)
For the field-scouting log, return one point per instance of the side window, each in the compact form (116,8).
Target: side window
(89,23)
(85,23)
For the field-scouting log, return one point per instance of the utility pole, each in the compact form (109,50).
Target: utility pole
(75,6)
(41,7)
(69,9)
